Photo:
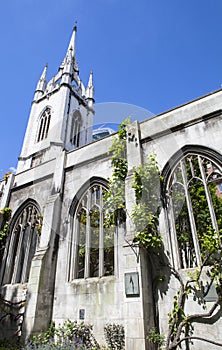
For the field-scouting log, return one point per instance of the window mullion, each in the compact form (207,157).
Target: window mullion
(28,233)
(10,252)
(172,226)
(47,126)
(71,129)
(88,235)
(190,213)
(208,196)
(75,239)
(101,244)
(78,133)
(40,130)
(18,255)
(44,128)
(74,132)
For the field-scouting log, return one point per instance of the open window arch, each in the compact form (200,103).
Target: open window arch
(193,201)
(21,244)
(43,124)
(91,242)
(76,122)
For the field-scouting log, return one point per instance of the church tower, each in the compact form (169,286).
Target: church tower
(61,115)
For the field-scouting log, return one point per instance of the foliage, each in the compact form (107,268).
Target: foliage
(114,198)
(5,216)
(115,336)
(71,335)
(8,345)
(208,273)
(180,323)
(155,337)
(79,333)
(6,176)
(146,183)
(44,337)
(38,225)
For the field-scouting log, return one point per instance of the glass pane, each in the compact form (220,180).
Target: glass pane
(94,247)
(215,189)
(82,244)
(15,236)
(202,178)
(216,198)
(33,242)
(183,229)
(200,208)
(22,253)
(108,251)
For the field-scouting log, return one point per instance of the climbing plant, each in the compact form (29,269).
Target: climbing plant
(5,216)
(145,215)
(197,286)
(206,277)
(114,198)
(147,183)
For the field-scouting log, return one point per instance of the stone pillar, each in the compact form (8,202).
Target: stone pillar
(133,302)
(5,190)
(138,297)
(42,275)
(134,159)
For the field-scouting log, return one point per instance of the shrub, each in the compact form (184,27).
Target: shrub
(115,336)
(71,335)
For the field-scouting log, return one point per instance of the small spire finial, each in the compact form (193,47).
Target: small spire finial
(72,43)
(43,76)
(90,88)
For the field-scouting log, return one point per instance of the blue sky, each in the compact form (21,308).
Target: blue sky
(154,54)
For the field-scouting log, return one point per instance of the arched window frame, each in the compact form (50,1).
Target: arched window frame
(89,200)
(76,121)
(44,123)
(21,245)
(214,175)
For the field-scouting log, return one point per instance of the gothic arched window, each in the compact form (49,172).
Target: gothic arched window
(92,248)
(44,123)
(21,245)
(194,205)
(75,129)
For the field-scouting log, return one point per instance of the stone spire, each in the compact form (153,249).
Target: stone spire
(41,85)
(90,88)
(71,51)
(69,66)
(72,44)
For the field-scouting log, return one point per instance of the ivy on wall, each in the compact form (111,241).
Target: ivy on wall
(145,216)
(5,216)
(114,198)
(147,185)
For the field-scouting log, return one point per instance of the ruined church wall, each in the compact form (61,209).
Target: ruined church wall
(196,125)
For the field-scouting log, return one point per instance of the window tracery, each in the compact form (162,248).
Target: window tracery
(194,205)
(92,253)
(21,246)
(44,123)
(75,129)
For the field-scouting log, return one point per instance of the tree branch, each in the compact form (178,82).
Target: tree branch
(173,346)
(195,317)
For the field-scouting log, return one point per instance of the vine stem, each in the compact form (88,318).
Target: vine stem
(181,292)
(192,318)
(195,338)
